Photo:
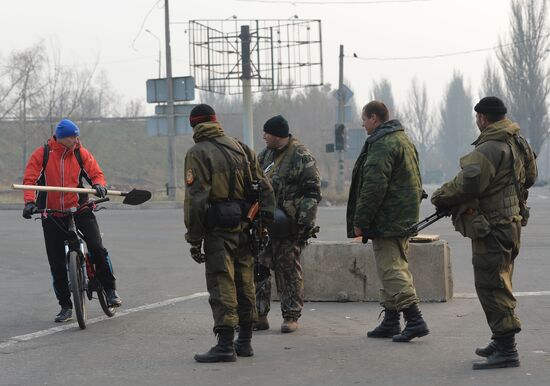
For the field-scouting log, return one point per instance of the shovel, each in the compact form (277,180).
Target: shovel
(133,197)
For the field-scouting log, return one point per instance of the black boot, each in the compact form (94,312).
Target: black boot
(242,344)
(487,350)
(389,326)
(505,355)
(415,326)
(224,351)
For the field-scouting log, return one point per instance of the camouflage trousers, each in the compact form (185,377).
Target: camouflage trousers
(493,261)
(283,257)
(397,290)
(230,278)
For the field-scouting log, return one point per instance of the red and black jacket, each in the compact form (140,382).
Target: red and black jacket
(60,168)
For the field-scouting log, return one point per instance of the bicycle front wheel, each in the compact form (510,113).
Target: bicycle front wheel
(78,288)
(109,310)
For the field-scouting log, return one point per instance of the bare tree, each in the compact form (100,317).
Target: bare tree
(134,108)
(457,130)
(419,121)
(382,91)
(491,83)
(24,85)
(525,73)
(37,90)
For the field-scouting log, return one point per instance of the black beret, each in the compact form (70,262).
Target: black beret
(201,113)
(277,126)
(490,105)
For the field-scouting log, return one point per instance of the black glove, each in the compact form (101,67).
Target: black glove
(444,210)
(196,252)
(305,233)
(29,210)
(365,236)
(100,190)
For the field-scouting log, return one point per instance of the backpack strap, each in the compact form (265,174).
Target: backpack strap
(46,156)
(83,174)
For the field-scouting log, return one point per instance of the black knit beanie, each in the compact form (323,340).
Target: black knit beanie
(201,113)
(277,126)
(490,105)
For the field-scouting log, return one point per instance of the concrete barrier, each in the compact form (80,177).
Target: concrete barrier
(346,271)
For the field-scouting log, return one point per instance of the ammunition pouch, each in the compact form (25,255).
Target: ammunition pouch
(281,227)
(470,222)
(226,214)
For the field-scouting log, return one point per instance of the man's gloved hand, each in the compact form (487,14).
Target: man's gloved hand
(100,190)
(196,252)
(29,210)
(307,232)
(444,210)
(364,235)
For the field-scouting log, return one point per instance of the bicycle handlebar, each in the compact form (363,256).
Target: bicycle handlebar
(90,204)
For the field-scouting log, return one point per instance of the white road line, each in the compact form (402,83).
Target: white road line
(516,294)
(38,334)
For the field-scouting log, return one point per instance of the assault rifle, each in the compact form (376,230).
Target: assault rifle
(415,228)
(258,236)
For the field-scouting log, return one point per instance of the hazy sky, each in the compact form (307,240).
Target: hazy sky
(111,30)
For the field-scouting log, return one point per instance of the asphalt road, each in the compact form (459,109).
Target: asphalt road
(165,318)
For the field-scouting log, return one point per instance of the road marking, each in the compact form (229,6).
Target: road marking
(516,294)
(39,334)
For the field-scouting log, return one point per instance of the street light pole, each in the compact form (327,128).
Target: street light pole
(172,172)
(158,41)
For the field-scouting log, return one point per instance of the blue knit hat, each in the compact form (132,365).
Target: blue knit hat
(66,128)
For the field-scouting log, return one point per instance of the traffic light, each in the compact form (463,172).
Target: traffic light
(339,137)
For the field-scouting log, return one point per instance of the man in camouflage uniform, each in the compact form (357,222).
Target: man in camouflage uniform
(487,199)
(384,200)
(295,178)
(219,171)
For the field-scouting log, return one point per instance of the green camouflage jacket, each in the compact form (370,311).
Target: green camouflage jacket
(207,176)
(487,174)
(386,187)
(295,180)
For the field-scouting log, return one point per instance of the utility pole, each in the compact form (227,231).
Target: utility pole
(172,181)
(248,134)
(341,119)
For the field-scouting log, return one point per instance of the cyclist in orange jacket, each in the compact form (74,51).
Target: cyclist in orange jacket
(64,162)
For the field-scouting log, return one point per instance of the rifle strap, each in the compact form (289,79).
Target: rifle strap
(275,164)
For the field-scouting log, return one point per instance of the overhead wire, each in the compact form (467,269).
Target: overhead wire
(333,2)
(443,55)
(143,24)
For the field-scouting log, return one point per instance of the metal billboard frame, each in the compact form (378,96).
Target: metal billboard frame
(283,54)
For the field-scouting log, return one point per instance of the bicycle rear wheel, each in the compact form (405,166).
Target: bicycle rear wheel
(109,311)
(78,288)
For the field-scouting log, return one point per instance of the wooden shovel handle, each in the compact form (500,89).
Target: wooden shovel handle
(64,189)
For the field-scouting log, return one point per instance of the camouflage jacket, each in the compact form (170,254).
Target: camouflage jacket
(207,176)
(487,174)
(386,187)
(295,180)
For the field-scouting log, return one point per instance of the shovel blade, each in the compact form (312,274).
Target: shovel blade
(136,197)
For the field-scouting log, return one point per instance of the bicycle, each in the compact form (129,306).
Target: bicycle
(80,269)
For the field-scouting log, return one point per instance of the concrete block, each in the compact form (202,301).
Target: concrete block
(346,271)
